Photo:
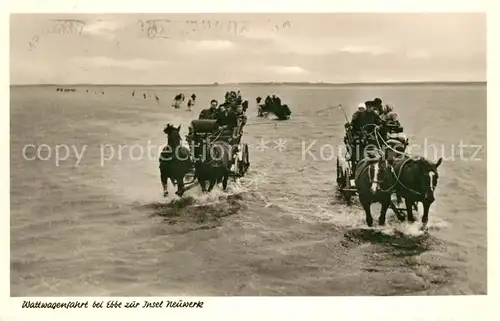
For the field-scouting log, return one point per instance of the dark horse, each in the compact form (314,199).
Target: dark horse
(175,161)
(212,165)
(416,182)
(375,183)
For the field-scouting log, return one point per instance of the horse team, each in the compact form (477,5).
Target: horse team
(388,170)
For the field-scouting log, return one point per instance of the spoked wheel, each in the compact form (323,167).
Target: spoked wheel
(346,191)
(340,179)
(244,163)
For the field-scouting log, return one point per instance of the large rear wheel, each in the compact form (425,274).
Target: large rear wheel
(246,157)
(242,161)
(339,174)
(346,192)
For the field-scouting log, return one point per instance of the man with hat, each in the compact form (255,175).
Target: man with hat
(377,104)
(211,112)
(356,117)
(367,117)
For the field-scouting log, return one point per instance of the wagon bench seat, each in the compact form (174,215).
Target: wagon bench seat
(200,126)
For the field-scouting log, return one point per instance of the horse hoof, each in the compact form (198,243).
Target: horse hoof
(165,194)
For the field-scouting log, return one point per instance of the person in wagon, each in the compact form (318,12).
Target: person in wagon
(393,129)
(377,104)
(238,119)
(211,112)
(369,116)
(365,118)
(365,115)
(357,113)
(239,99)
(221,116)
(268,102)
(392,123)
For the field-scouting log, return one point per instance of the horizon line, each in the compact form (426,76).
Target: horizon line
(266,83)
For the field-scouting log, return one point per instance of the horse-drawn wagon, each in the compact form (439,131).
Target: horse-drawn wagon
(203,133)
(363,147)
(215,153)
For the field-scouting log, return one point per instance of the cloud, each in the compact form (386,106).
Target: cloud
(105,28)
(330,47)
(135,64)
(361,49)
(294,70)
(211,45)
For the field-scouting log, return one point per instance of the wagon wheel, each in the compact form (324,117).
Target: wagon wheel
(246,158)
(345,192)
(241,164)
(339,176)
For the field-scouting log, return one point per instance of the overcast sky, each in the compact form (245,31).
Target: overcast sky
(189,48)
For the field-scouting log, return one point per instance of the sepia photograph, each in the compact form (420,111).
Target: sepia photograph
(248,154)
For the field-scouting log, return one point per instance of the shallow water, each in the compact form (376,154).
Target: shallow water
(102,227)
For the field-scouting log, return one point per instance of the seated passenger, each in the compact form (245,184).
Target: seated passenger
(392,123)
(377,104)
(222,116)
(211,112)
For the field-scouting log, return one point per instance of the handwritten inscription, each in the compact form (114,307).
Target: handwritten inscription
(166,28)
(112,304)
(66,26)
(60,27)
(162,28)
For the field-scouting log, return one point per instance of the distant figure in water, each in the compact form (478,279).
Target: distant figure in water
(133,93)
(144,95)
(193,98)
(87,90)
(157,99)
(189,105)
(103,92)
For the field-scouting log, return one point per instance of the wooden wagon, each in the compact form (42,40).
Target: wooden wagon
(204,132)
(346,164)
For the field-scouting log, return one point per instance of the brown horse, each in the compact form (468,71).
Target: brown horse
(375,183)
(175,161)
(417,180)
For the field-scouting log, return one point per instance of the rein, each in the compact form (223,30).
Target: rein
(379,138)
(397,176)
(210,141)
